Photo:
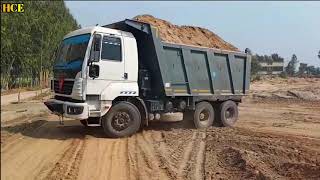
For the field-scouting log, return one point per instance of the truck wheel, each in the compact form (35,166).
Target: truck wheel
(228,113)
(122,120)
(203,115)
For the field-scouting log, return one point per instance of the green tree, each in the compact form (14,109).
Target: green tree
(311,70)
(276,58)
(303,68)
(29,40)
(255,65)
(291,67)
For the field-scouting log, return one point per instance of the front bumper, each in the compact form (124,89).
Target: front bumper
(68,109)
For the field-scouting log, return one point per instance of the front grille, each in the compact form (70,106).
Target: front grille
(66,88)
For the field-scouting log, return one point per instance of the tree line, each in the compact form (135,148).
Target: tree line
(29,40)
(291,69)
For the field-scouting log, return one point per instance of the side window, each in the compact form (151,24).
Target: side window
(111,48)
(95,48)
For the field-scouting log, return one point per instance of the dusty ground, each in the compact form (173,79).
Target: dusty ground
(291,88)
(189,35)
(11,96)
(272,140)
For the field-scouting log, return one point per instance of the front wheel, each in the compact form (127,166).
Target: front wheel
(122,120)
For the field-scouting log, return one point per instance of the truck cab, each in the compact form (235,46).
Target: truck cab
(93,66)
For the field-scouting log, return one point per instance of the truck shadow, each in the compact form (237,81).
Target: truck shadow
(172,122)
(44,129)
(165,125)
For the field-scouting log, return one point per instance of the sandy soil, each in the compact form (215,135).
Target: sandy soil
(282,85)
(7,98)
(272,140)
(189,35)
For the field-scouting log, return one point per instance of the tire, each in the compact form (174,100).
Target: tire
(122,120)
(90,120)
(203,116)
(228,113)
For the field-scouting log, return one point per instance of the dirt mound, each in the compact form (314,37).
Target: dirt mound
(305,95)
(189,35)
(292,88)
(244,154)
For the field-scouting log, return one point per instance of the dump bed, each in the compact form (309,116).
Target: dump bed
(184,70)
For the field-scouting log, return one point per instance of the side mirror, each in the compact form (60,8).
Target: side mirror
(94,71)
(95,48)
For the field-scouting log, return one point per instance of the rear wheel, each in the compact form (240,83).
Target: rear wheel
(228,113)
(122,120)
(203,116)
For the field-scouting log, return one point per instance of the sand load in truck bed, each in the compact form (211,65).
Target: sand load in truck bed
(189,35)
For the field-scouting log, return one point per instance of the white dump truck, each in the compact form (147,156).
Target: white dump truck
(121,76)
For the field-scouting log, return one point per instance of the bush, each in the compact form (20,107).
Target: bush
(283,75)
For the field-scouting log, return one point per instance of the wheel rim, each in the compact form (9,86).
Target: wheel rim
(229,114)
(121,120)
(204,116)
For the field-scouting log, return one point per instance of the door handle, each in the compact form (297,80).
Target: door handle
(125,76)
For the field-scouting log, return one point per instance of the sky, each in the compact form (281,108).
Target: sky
(285,27)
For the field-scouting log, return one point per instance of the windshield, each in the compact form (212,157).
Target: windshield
(72,50)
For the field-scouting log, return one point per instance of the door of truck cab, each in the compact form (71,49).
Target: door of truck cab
(111,63)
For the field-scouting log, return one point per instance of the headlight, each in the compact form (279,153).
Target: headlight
(77,87)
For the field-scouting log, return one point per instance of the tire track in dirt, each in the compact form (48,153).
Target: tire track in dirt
(161,151)
(191,156)
(119,161)
(104,159)
(34,150)
(68,165)
(199,166)
(186,157)
(144,167)
(150,157)
(133,170)
(244,154)
(134,157)
(172,151)
(12,134)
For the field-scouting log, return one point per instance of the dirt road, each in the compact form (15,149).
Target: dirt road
(272,140)
(11,98)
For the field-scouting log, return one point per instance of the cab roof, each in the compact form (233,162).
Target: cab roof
(100,29)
